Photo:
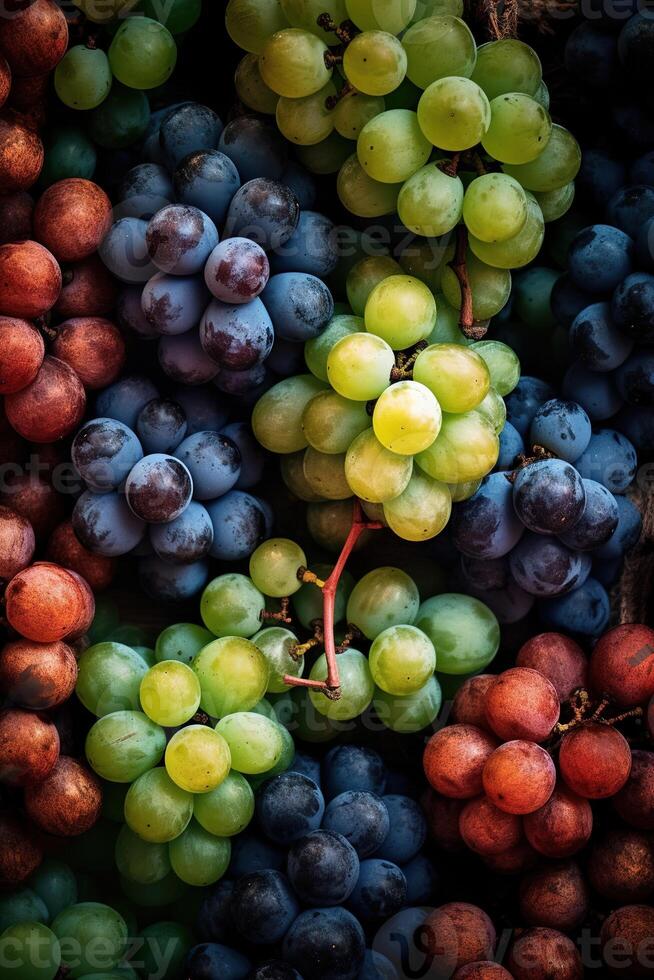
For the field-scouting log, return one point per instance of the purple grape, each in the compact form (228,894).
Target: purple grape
(183,359)
(486,525)
(544,566)
(265,211)
(159,488)
(161,425)
(208,180)
(124,251)
(203,410)
(105,525)
(549,496)
(598,520)
(237,337)
(103,453)
(213,461)
(241,382)
(185,128)
(312,248)
(255,147)
(186,539)
(239,525)
(174,304)
(253,458)
(237,270)
(300,305)
(585,610)
(130,316)
(145,189)
(124,399)
(180,238)
(172,583)
(562,427)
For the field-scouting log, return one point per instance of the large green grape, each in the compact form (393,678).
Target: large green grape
(507,65)
(357,686)
(436,8)
(255,741)
(363,196)
(140,860)
(308,120)
(282,764)
(519,250)
(274,567)
(233,675)
(121,120)
(156,808)
(82,78)
(401,310)
(93,935)
(359,366)
(316,350)
(402,659)
(503,364)
(277,644)
(30,951)
(198,857)
(108,679)
(143,53)
(554,204)
(181,642)
(466,449)
(292,63)
(170,693)
(464,631)
(454,113)
(406,418)
(422,510)
(365,275)
(305,14)
(277,416)
(384,15)
(122,746)
(231,605)
(437,47)
(555,167)
(251,88)
(226,810)
(384,597)
(431,202)
(250,23)
(410,713)
(490,286)
(447,329)
(375,63)
(331,422)
(391,147)
(197,758)
(373,472)
(494,207)
(519,129)
(458,377)
(325,473)
(354,110)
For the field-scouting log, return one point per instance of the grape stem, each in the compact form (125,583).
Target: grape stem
(282,616)
(460,270)
(451,166)
(344,31)
(538,453)
(404,363)
(584,710)
(332,100)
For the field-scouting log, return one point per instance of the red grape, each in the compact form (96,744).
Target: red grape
(30,278)
(482,970)
(29,747)
(456,934)
(15,217)
(542,954)
(523,704)
(21,354)
(16,543)
(517,859)
(561,827)
(621,865)
(622,664)
(442,814)
(67,802)
(93,347)
(32,496)
(595,760)
(469,705)
(88,290)
(20,854)
(71,218)
(488,830)
(46,602)
(555,896)
(37,675)
(65,548)
(51,407)
(558,658)
(5,80)
(635,801)
(519,777)
(21,155)
(33,36)
(627,941)
(454,760)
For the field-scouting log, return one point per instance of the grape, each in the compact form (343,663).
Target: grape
(143,53)
(519,250)
(316,350)
(610,459)
(359,364)
(313,247)
(226,810)
(540,948)
(300,305)
(490,287)
(277,644)
(554,167)
(383,598)
(124,252)
(158,488)
(332,937)
(277,416)
(362,195)
(170,693)
(361,818)
(494,207)
(121,119)
(530,714)
(292,63)
(325,157)
(463,491)
(380,892)
(251,88)
(104,451)
(369,15)
(56,886)
(454,113)
(375,62)
(595,761)
(140,861)
(357,686)
(173,304)
(93,935)
(123,745)
(353,111)
(109,678)
(549,496)
(239,525)
(255,147)
(555,896)
(402,659)
(401,310)
(486,829)
(197,758)
(412,712)
(598,520)
(457,376)
(464,631)
(185,540)
(454,760)
(507,65)
(33,949)
(364,276)
(519,129)
(430,202)
(391,147)
(437,47)
(596,341)
(502,363)
(83,77)
(255,741)
(373,472)
(599,259)
(156,808)
(465,449)
(198,857)
(308,120)
(331,422)
(325,474)
(425,260)
(351,767)
(274,567)
(23,906)
(161,425)
(421,511)
(559,659)
(308,601)
(554,204)
(250,22)
(305,14)
(406,418)
(323,868)
(233,674)
(612,866)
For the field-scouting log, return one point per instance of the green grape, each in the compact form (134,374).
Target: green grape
(325,474)
(359,366)
(255,741)
(519,250)
(458,377)
(493,409)
(447,330)
(170,693)
(82,78)
(406,418)
(162,893)
(181,642)
(231,605)
(519,129)
(329,523)
(305,14)
(22,906)
(464,491)
(490,286)
(423,259)
(373,472)
(365,275)
(375,62)
(494,207)
(30,951)
(437,8)
(179,16)
(309,120)
(250,23)
(108,679)
(156,808)
(316,350)
(465,633)
(391,147)
(555,167)
(454,113)
(382,598)
(507,65)
(502,362)
(326,157)
(146,654)
(401,310)
(165,945)
(143,53)
(542,95)
(251,88)
(410,713)
(292,63)
(466,449)
(197,758)
(291,468)
(354,110)
(402,659)
(430,202)
(226,810)
(277,645)
(274,567)
(55,884)
(437,47)
(121,120)
(140,860)
(532,291)
(308,602)
(283,763)
(277,416)
(233,675)
(93,935)
(554,204)
(198,857)
(421,511)
(357,686)
(383,15)
(68,153)
(122,746)
(331,422)
(363,196)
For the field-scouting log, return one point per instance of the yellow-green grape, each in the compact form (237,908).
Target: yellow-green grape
(438,47)
(123,745)
(454,113)
(554,204)
(555,167)
(410,713)
(543,95)
(490,286)
(255,741)
(421,511)
(357,686)
(517,251)
(325,473)
(316,350)
(447,330)
(464,631)
(291,468)
(108,678)
(326,157)
(277,645)
(384,15)
(231,605)
(467,448)
(463,491)
(82,79)
(331,422)
(373,472)
(436,8)
(359,366)
(170,693)
(156,808)
(402,659)
(274,567)
(250,23)
(401,310)
(233,675)
(292,63)
(309,120)
(507,66)
(494,207)
(458,377)
(277,416)
(226,810)
(354,110)
(384,597)
(329,523)
(363,196)
(142,53)
(493,409)
(423,259)
(375,62)
(430,202)
(365,275)
(140,860)
(391,146)
(305,14)
(251,88)
(406,418)
(503,364)
(197,758)
(198,857)
(519,129)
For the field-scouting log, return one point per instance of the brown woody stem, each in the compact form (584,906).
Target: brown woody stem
(282,616)
(460,270)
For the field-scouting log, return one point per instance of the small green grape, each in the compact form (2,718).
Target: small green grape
(325,474)
(231,605)
(233,675)
(250,23)
(431,201)
(373,472)
(182,642)
(421,511)
(170,693)
(316,350)
(308,120)
(331,422)
(108,678)
(490,286)
(274,567)
(401,310)
(226,810)
(354,110)
(437,47)
(406,418)
(122,746)
(375,62)
(384,597)
(458,376)
(291,468)
(519,129)
(255,741)
(277,416)
(494,207)
(363,196)
(277,644)
(402,659)
(359,366)
(139,860)
(555,167)
(357,686)
(292,63)
(391,147)
(554,204)
(198,857)
(31,951)
(517,251)
(251,88)
(454,113)
(502,362)
(371,14)
(143,53)
(508,65)
(465,449)
(197,758)
(82,78)
(93,935)
(156,808)
(493,409)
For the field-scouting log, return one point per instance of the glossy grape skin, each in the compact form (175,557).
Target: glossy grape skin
(173,305)
(375,62)
(331,422)
(206,179)
(486,525)
(545,567)
(595,761)
(145,189)
(109,677)
(401,660)
(332,936)
(124,400)
(391,147)
(549,496)
(383,598)
(167,582)
(232,606)
(374,473)
(197,758)
(161,426)
(255,741)
(170,693)
(364,275)
(465,449)
(430,56)
(359,366)
(457,376)
(464,631)
(357,683)
(208,960)
(412,712)
(277,416)
(226,810)
(600,258)
(511,446)
(186,539)
(598,521)
(156,808)
(406,418)
(274,567)
(507,65)
(198,857)
(233,675)
(421,511)
(518,251)
(525,400)
(360,194)
(430,201)
(494,207)
(610,459)
(104,451)
(596,341)
(105,525)
(158,488)
(239,525)
(532,718)
(267,210)
(83,77)
(300,305)
(123,745)
(142,54)
(180,239)
(77,927)
(255,147)
(181,642)
(213,461)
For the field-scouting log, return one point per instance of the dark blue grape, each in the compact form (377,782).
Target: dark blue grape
(408,829)
(325,944)
(422,880)
(239,525)
(486,526)
(510,603)
(598,521)
(208,180)
(525,400)
(562,427)
(203,410)
(253,458)
(180,239)
(172,583)
(630,208)
(596,341)
(130,316)
(242,384)
(124,251)
(307,765)
(634,123)
(213,923)
(485,573)
(645,246)
(607,573)
(174,304)
(600,258)
(402,937)
(213,961)
(184,360)
(544,566)
(255,147)
(237,337)
(161,425)
(301,182)
(380,890)
(103,453)
(511,446)
(361,818)
(312,248)
(237,270)
(263,907)
(124,399)
(591,55)
(599,177)
(626,534)
(595,391)
(586,610)
(289,806)
(286,358)
(300,305)
(636,43)
(263,210)
(213,461)
(610,458)
(159,488)
(567,300)
(186,539)
(105,525)
(352,767)
(641,170)
(377,967)
(632,306)
(638,425)
(145,189)
(151,147)
(323,868)
(186,128)
(635,378)
(251,853)
(274,970)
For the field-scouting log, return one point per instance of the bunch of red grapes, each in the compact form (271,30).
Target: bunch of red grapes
(535,776)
